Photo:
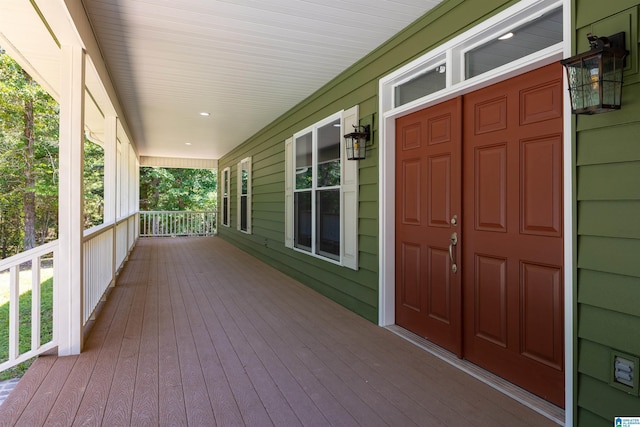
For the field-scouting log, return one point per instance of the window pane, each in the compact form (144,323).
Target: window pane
(245,180)
(225,212)
(243,213)
(525,40)
(225,186)
(328,223)
(304,161)
(424,84)
(302,220)
(329,154)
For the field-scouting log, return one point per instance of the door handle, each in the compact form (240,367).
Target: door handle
(453,241)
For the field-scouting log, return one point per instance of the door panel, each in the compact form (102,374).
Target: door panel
(428,293)
(439,285)
(541,195)
(490,299)
(411,202)
(541,304)
(513,248)
(490,202)
(410,262)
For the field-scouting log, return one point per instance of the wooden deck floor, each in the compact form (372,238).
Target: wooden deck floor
(199,333)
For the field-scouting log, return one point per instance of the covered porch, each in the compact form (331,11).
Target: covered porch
(198,332)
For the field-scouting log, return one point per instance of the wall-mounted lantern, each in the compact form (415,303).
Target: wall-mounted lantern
(356,142)
(595,76)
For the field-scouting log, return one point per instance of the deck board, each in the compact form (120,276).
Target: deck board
(171,405)
(197,332)
(21,396)
(199,410)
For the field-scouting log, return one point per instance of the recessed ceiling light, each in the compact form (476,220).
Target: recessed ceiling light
(204,113)
(505,36)
(187,143)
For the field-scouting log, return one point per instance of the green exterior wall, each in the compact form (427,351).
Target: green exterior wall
(607,173)
(356,290)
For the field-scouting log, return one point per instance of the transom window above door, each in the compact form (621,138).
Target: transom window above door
(526,33)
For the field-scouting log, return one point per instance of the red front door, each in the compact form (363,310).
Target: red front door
(509,279)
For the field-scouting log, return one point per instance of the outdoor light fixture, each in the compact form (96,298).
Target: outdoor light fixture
(356,142)
(595,76)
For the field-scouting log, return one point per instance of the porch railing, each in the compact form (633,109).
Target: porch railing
(104,255)
(31,276)
(177,223)
(28,275)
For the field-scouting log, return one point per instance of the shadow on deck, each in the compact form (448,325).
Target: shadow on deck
(200,333)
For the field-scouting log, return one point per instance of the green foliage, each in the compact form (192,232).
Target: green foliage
(46,323)
(28,159)
(19,95)
(163,189)
(93,184)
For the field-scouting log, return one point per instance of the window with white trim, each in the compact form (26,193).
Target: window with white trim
(244,195)
(322,191)
(526,33)
(226,191)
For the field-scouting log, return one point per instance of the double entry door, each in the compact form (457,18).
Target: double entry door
(479,238)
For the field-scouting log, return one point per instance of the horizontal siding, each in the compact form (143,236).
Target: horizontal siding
(587,15)
(609,255)
(608,242)
(608,181)
(595,146)
(609,218)
(609,291)
(171,162)
(609,328)
(586,418)
(595,360)
(607,402)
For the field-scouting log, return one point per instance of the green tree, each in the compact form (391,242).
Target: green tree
(163,189)
(28,160)
(93,184)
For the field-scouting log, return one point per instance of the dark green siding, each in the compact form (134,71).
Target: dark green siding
(357,290)
(608,226)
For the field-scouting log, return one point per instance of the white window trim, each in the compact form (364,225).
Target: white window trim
(348,192)
(519,13)
(244,164)
(227,191)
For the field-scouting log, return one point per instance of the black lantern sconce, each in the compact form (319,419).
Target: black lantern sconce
(595,76)
(356,142)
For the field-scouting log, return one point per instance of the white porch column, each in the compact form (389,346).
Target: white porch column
(110,168)
(124,173)
(111,184)
(69,261)
(132,180)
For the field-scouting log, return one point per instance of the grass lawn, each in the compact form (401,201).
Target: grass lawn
(46,318)
(24,282)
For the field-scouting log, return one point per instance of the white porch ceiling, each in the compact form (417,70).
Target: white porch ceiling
(245,62)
